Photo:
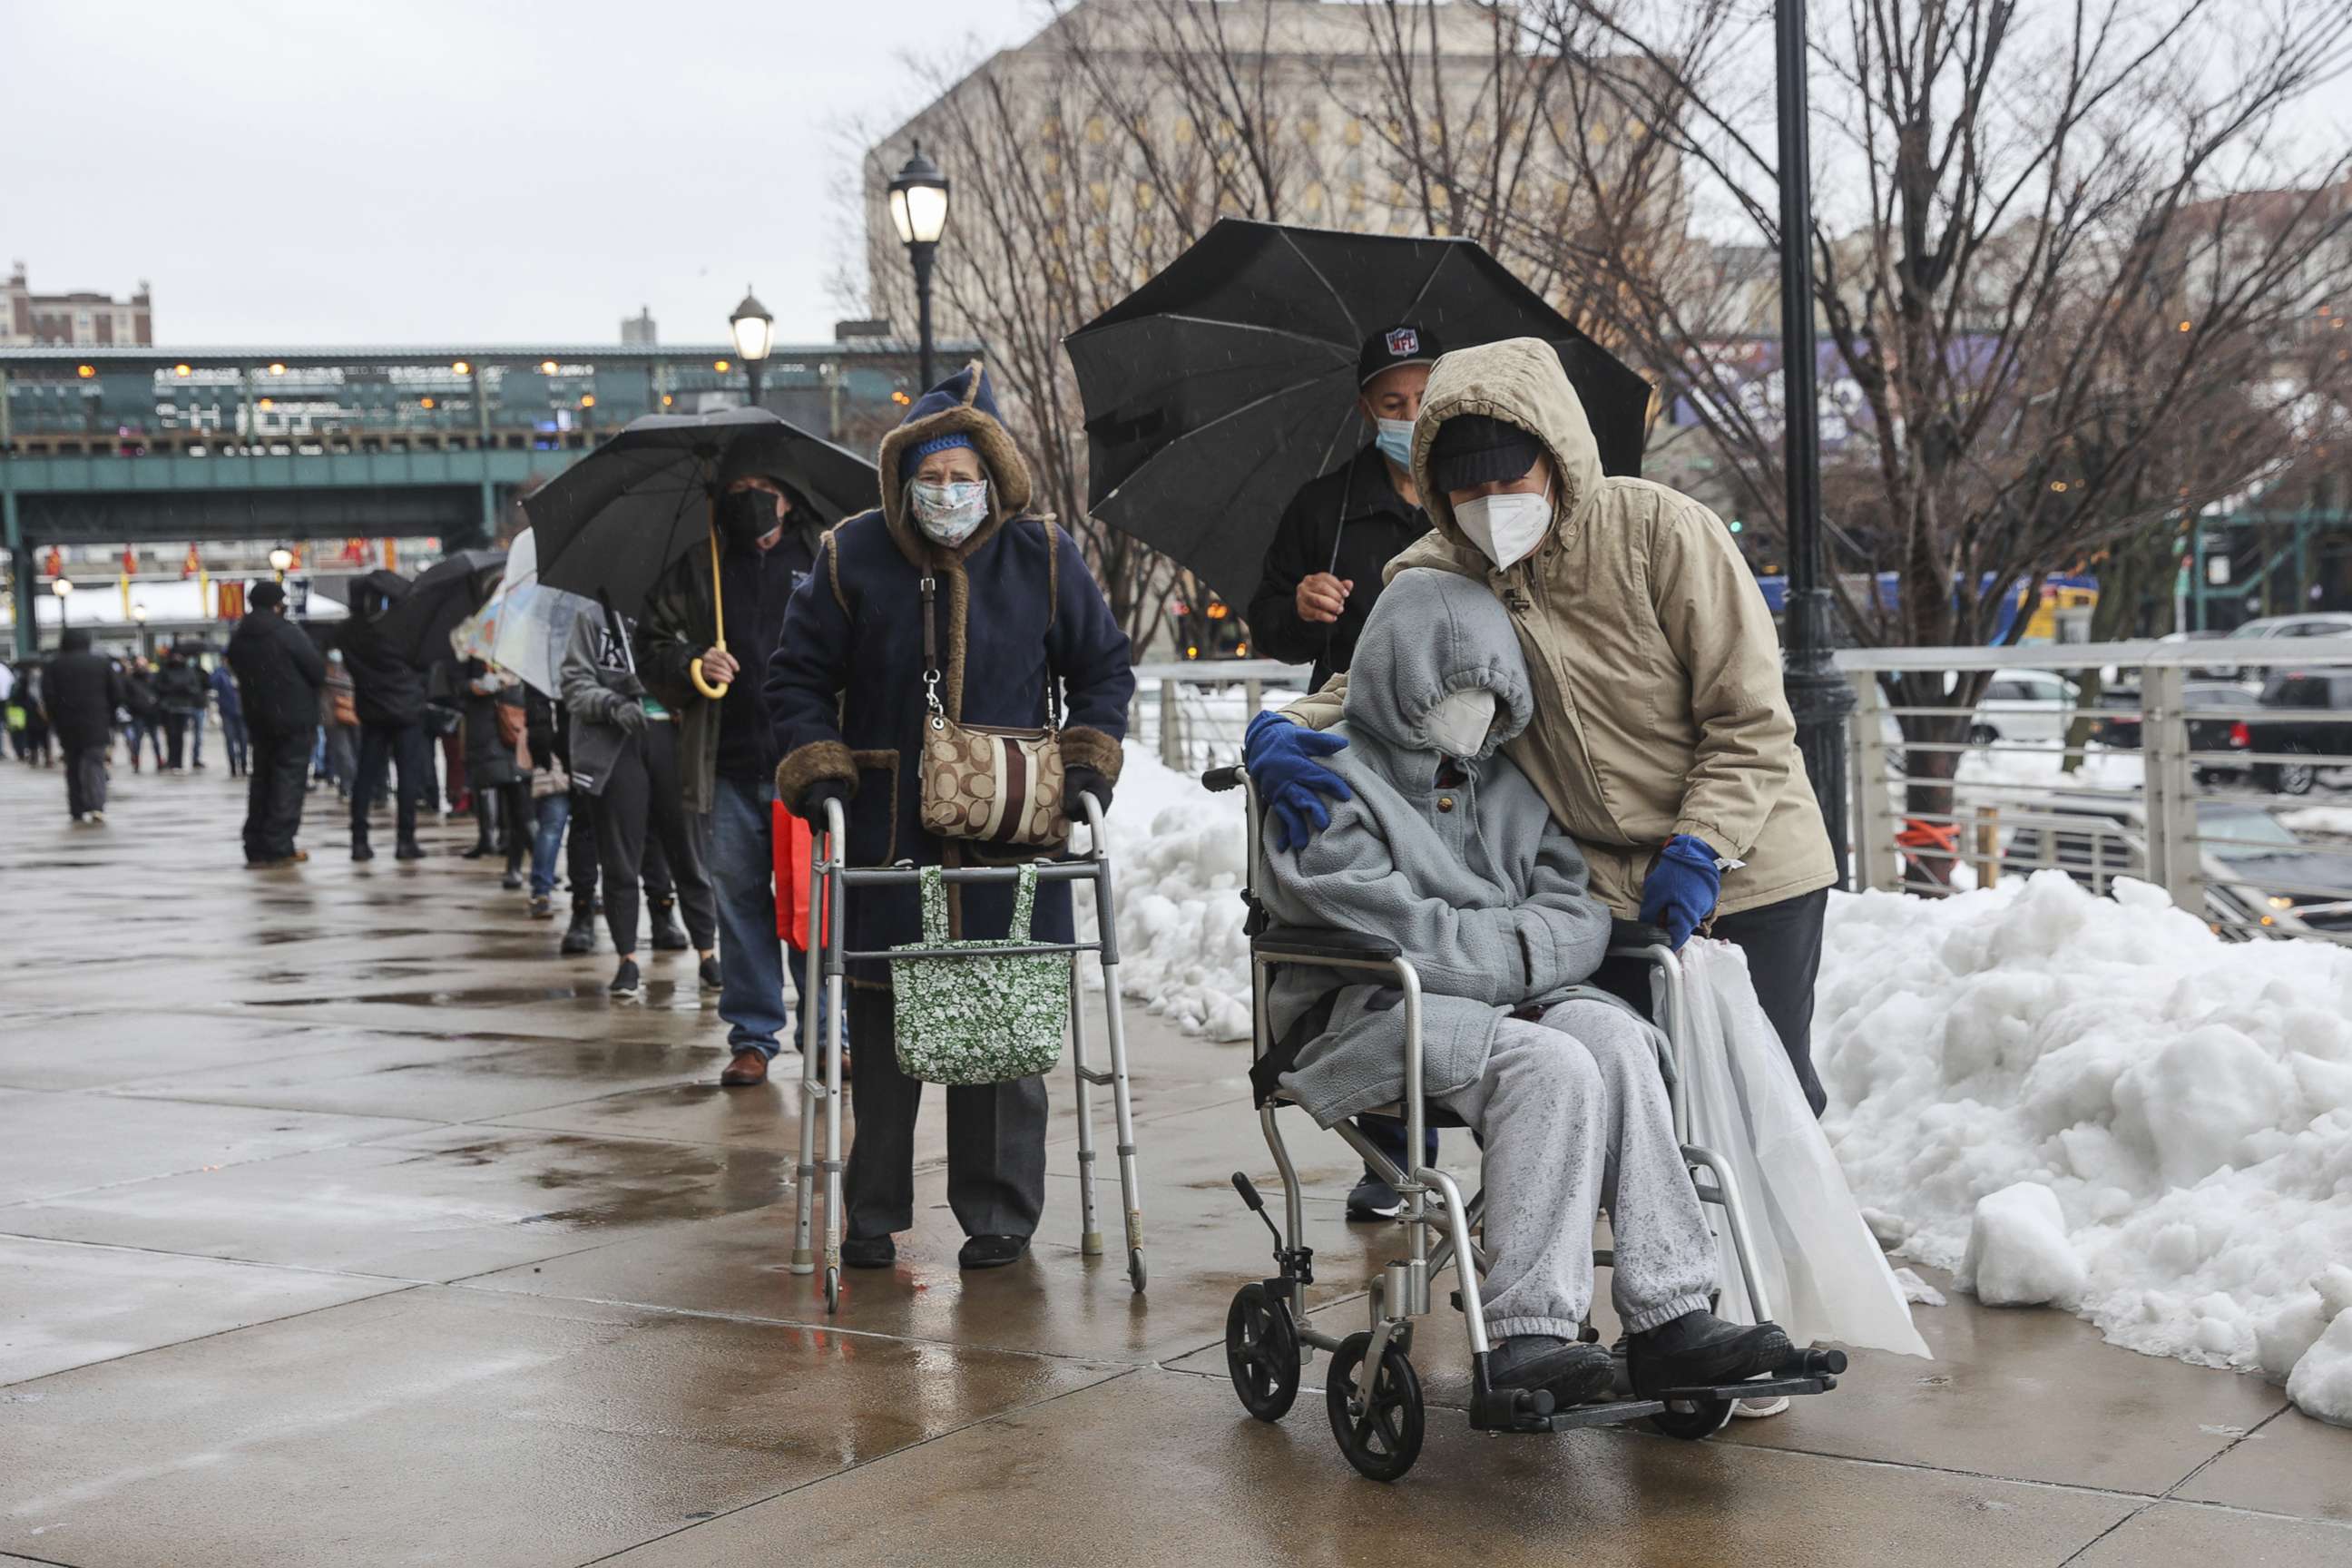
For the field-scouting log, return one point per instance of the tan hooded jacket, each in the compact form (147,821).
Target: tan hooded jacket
(1659,704)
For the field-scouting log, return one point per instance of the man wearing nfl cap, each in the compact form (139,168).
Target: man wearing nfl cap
(1323,575)
(1323,568)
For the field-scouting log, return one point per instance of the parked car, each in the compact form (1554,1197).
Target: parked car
(2024,705)
(2308,733)
(2260,878)
(2209,735)
(2264,628)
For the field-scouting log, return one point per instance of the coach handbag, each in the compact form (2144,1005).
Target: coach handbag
(978,1017)
(987,782)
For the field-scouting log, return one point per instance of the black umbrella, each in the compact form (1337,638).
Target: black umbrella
(1227,381)
(610,525)
(418,624)
(382,582)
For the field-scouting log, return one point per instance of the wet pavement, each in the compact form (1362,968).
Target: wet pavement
(342,1221)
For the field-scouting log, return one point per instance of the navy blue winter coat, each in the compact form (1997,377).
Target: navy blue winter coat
(844,686)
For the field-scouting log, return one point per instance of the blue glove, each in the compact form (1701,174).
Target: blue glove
(1281,760)
(1681,887)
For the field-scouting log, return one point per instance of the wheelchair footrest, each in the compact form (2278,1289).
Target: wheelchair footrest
(1617,1412)
(1754,1388)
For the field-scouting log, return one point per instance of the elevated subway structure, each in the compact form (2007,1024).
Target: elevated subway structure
(139,445)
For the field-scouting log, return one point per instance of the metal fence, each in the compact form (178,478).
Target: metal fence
(2211,771)
(1193,713)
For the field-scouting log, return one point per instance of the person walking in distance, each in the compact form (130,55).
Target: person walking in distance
(279,673)
(80,690)
(232,718)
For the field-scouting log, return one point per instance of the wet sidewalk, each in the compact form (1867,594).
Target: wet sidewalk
(342,1221)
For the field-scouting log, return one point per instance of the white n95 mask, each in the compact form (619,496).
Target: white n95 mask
(1460,723)
(1505,528)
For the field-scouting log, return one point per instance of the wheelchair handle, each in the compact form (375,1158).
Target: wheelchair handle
(1219,780)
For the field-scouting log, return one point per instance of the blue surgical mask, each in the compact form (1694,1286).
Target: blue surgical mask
(1395,442)
(949,514)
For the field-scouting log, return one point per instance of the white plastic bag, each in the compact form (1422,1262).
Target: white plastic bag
(1823,1275)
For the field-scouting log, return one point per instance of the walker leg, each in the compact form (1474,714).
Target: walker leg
(1090,1241)
(837,1025)
(812,989)
(1131,1185)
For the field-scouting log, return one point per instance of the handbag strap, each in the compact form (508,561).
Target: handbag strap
(1054,715)
(1025,900)
(935,906)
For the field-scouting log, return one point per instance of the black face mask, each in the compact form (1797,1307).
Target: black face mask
(746,517)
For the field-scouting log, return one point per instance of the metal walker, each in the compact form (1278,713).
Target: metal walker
(830,880)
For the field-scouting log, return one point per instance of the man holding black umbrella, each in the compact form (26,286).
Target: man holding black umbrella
(1323,576)
(388,696)
(1323,566)
(278,675)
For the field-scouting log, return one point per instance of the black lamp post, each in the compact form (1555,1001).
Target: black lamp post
(919,207)
(1818,695)
(755,334)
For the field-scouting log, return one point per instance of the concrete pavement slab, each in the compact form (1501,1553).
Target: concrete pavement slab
(73,1050)
(2290,1464)
(59,1143)
(2185,1535)
(63,1304)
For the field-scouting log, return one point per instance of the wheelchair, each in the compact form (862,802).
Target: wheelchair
(831,877)
(1372,1394)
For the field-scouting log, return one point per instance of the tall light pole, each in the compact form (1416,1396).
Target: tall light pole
(919,207)
(281,559)
(63,588)
(139,619)
(755,334)
(1817,696)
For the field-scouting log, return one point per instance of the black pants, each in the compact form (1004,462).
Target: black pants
(85,779)
(401,746)
(641,793)
(515,822)
(175,740)
(280,770)
(996,1140)
(580,852)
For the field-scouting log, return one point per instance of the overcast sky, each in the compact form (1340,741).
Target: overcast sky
(293,172)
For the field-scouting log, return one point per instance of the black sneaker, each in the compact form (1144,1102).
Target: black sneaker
(669,936)
(711,978)
(580,936)
(1374,1199)
(408,849)
(625,981)
(991,1251)
(869,1251)
(1698,1350)
(1573,1372)
(360,851)
(511,882)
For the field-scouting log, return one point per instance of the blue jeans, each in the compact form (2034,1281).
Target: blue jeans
(553,815)
(742,878)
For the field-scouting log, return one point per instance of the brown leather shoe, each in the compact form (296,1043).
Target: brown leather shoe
(747,1068)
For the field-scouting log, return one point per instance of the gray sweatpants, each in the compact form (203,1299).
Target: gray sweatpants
(1573,1113)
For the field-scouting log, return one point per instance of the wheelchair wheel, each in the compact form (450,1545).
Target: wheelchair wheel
(1262,1353)
(1692,1419)
(1376,1419)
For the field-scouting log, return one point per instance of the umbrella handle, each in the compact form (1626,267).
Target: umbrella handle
(718,643)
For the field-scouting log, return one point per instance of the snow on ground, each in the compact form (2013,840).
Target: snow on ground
(2319,821)
(2185,1102)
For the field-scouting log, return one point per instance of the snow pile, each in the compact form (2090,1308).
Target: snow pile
(2322,1384)
(1179,858)
(2322,821)
(2186,1103)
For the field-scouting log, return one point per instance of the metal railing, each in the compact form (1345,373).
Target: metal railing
(1193,712)
(2200,806)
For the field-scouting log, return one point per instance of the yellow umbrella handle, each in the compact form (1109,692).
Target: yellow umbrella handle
(718,643)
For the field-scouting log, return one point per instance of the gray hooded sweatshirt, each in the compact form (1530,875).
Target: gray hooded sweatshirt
(1472,878)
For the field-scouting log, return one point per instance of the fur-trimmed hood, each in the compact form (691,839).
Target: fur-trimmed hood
(962,404)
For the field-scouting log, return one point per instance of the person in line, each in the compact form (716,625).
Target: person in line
(1445,846)
(624,753)
(1662,737)
(1014,610)
(339,724)
(180,703)
(550,800)
(1322,579)
(502,794)
(388,701)
(232,718)
(145,712)
(726,765)
(32,682)
(279,673)
(80,690)
(10,711)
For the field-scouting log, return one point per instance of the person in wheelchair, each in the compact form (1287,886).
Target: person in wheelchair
(1445,847)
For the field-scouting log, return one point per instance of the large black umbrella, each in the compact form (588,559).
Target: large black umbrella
(610,525)
(419,622)
(1227,381)
(384,583)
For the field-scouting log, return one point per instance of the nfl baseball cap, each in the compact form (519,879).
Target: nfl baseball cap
(1404,344)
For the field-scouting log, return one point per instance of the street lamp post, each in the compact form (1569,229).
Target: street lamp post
(281,559)
(63,588)
(755,334)
(919,207)
(1817,696)
(139,619)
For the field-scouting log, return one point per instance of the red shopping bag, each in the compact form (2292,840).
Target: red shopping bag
(795,844)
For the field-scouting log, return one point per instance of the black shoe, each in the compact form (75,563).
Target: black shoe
(360,851)
(1374,1199)
(1573,1372)
(991,1251)
(510,882)
(1700,1348)
(711,978)
(478,852)
(580,936)
(868,1251)
(625,980)
(408,849)
(669,936)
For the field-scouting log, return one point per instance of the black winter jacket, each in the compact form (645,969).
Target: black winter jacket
(385,688)
(80,690)
(1350,522)
(279,672)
